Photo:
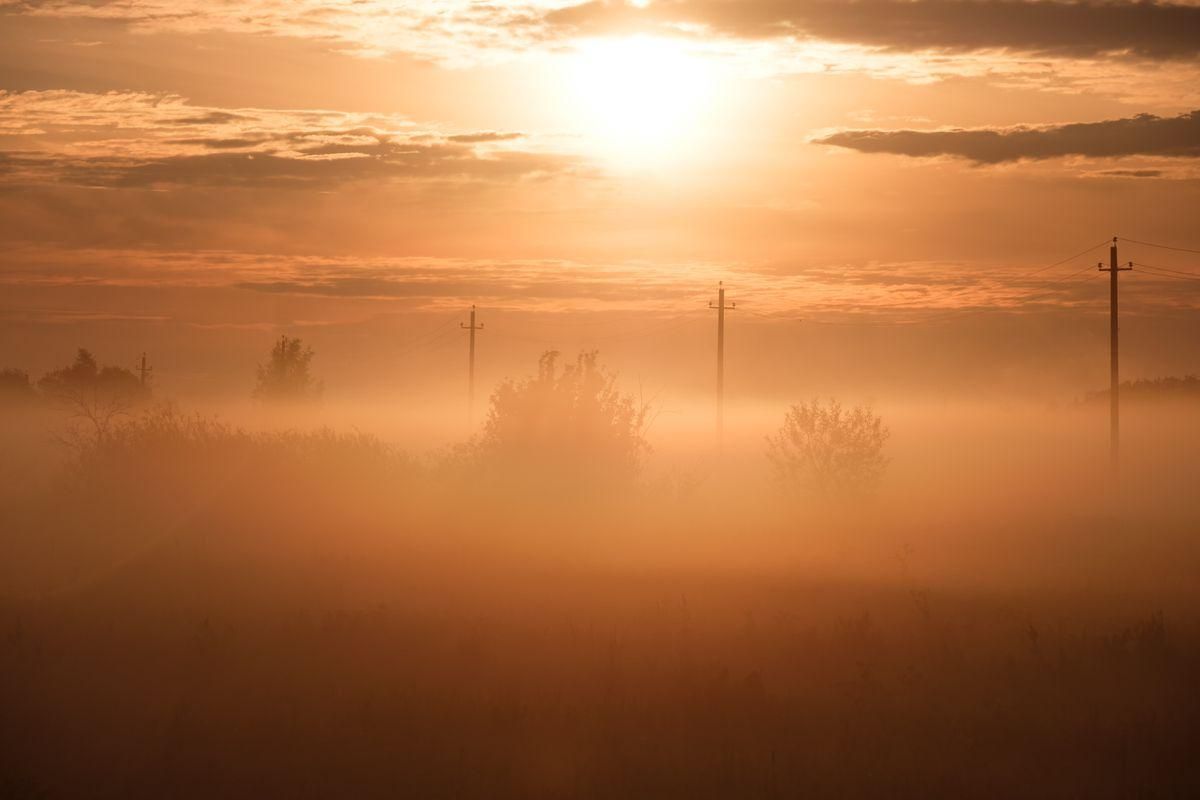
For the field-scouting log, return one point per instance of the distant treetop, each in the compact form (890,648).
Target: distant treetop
(286,376)
(1168,388)
(85,376)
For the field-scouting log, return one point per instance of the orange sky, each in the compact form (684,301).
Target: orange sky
(171,168)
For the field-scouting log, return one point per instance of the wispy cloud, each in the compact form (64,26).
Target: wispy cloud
(1067,46)
(911,290)
(450,31)
(146,140)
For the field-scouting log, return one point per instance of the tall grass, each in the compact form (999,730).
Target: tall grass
(192,609)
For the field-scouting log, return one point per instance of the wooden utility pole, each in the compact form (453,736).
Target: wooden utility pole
(472,327)
(1114,385)
(144,371)
(721,309)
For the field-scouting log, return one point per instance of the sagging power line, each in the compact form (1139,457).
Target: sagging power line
(1162,246)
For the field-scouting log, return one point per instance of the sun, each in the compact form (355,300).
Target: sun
(639,99)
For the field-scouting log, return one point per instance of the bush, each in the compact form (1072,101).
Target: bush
(825,450)
(162,441)
(285,376)
(94,396)
(568,428)
(15,388)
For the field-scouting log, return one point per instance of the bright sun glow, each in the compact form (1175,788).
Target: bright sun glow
(640,99)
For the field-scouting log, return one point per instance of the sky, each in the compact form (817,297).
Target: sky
(897,194)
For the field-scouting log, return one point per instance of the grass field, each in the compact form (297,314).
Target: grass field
(196,611)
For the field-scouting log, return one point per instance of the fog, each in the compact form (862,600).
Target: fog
(233,597)
(363,434)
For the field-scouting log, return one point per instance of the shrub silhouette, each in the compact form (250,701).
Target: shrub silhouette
(15,388)
(564,427)
(285,376)
(825,450)
(179,460)
(93,395)
(1150,389)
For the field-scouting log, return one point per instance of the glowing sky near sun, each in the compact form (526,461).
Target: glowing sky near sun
(825,158)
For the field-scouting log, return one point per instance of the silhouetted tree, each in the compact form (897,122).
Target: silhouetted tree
(1167,388)
(825,450)
(286,376)
(92,394)
(564,426)
(15,388)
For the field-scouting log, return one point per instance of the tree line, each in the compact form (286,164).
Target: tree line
(566,425)
(285,376)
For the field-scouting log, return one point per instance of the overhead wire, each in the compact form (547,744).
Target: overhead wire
(1161,246)
(588,338)
(1063,261)
(1166,272)
(424,340)
(918,318)
(936,316)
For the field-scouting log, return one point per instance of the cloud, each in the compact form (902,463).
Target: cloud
(460,30)
(1130,173)
(1155,30)
(142,140)
(485,136)
(1141,135)
(1058,45)
(451,31)
(902,290)
(209,118)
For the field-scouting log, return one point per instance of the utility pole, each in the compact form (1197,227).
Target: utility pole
(1114,385)
(471,366)
(721,309)
(144,371)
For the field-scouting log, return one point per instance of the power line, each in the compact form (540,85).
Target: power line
(1166,272)
(426,339)
(775,317)
(932,318)
(1055,283)
(678,321)
(937,316)
(1064,261)
(1163,246)
(665,326)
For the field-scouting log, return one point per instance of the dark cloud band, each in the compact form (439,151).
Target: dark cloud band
(1086,28)
(1142,135)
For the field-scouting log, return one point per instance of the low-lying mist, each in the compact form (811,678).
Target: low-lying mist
(334,598)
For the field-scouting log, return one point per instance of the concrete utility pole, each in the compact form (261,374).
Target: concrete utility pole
(472,327)
(1114,386)
(721,309)
(144,370)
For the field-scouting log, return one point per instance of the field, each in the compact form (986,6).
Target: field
(194,610)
